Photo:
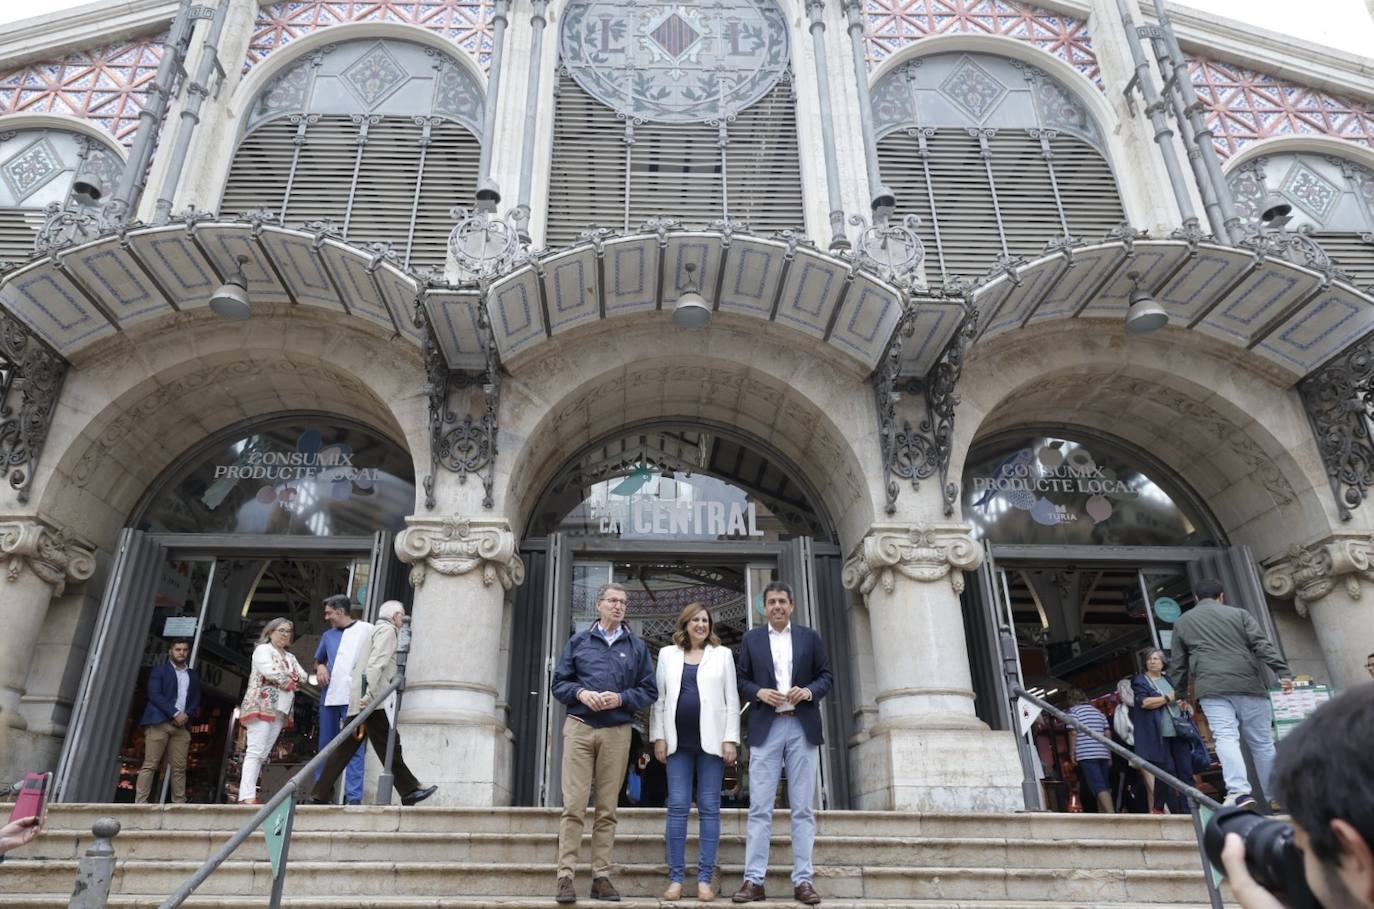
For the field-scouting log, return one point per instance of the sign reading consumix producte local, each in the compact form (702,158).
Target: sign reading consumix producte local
(1054,485)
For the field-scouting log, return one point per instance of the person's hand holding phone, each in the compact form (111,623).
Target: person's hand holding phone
(20,832)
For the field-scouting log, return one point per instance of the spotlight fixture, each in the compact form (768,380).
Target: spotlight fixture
(691,310)
(231,300)
(1144,315)
(1277,216)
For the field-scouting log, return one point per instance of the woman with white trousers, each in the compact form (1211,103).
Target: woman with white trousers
(267,705)
(695,730)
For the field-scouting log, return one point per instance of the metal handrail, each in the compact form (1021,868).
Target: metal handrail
(211,864)
(1195,796)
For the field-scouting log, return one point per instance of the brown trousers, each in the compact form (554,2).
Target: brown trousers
(378,729)
(175,742)
(591,755)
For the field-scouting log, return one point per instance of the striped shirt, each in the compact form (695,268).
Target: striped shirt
(1088,748)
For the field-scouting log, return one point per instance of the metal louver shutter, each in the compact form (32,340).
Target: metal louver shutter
(764,169)
(260,170)
(450,179)
(964,213)
(1350,254)
(385,191)
(587,174)
(323,172)
(675,168)
(18,229)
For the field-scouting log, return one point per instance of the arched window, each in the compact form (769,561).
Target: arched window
(37,168)
(682,112)
(1329,196)
(995,156)
(380,137)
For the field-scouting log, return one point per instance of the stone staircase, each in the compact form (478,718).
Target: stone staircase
(450,858)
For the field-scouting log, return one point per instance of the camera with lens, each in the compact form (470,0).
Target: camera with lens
(1274,860)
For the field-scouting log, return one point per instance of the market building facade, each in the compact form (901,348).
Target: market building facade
(989,328)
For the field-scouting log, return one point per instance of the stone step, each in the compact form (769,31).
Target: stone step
(640,848)
(23,901)
(420,819)
(1099,887)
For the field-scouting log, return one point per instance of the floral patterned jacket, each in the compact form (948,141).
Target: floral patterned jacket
(272,686)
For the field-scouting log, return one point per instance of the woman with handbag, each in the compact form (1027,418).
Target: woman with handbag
(1157,737)
(695,729)
(267,705)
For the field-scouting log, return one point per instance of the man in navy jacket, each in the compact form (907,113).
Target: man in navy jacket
(783,672)
(173,698)
(605,676)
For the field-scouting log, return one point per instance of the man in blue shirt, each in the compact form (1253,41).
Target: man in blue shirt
(173,698)
(604,676)
(334,661)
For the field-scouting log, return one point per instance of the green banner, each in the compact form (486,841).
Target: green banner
(1206,814)
(276,827)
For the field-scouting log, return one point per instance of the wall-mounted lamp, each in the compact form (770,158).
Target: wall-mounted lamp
(691,310)
(1144,315)
(231,300)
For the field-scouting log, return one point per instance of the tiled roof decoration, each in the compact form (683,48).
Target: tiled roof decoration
(893,24)
(105,85)
(1245,106)
(467,23)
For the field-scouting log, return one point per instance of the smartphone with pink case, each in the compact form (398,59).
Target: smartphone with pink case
(32,797)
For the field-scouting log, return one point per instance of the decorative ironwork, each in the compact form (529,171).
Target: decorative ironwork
(891,249)
(463,445)
(1339,399)
(31,379)
(921,452)
(1297,246)
(484,243)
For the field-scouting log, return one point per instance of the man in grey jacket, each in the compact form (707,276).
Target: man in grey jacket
(1219,647)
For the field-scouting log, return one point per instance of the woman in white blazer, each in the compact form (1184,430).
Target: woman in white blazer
(695,729)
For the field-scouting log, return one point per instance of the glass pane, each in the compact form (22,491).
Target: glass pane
(587,580)
(1051,490)
(295,476)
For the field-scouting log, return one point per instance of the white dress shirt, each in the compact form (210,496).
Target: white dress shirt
(183,686)
(780,643)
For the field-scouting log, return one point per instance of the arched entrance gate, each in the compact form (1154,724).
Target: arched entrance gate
(678,512)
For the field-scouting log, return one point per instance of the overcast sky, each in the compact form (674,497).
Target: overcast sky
(1345,24)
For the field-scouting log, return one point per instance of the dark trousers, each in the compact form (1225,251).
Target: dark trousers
(378,729)
(1179,762)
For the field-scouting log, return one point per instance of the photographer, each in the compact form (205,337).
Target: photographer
(1323,776)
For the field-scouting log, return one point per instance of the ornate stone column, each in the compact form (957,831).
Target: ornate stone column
(1326,581)
(462,569)
(910,576)
(39,561)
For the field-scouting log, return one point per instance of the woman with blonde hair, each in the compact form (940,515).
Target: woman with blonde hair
(267,705)
(695,729)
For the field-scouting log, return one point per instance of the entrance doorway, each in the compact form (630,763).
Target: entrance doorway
(264,520)
(676,514)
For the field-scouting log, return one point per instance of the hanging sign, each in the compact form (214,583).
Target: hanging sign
(1167,609)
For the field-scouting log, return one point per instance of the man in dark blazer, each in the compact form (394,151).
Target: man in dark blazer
(173,698)
(783,672)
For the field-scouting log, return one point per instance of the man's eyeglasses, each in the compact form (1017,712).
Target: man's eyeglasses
(615,602)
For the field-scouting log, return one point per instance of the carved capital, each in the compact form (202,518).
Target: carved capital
(47,551)
(1308,573)
(455,546)
(923,552)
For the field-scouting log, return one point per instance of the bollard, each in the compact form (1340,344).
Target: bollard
(96,868)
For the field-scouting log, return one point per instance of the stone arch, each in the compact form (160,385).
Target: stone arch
(799,399)
(1226,424)
(21,120)
(141,400)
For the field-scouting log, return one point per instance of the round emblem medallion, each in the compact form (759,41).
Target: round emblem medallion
(675,62)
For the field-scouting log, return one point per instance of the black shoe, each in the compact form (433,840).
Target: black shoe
(354,802)
(315,801)
(1245,801)
(416,796)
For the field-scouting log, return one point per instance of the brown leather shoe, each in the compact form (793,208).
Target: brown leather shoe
(602,889)
(806,894)
(748,892)
(566,892)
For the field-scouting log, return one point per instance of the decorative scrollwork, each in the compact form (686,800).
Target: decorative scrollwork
(484,244)
(463,445)
(1297,246)
(31,379)
(918,453)
(891,249)
(1339,399)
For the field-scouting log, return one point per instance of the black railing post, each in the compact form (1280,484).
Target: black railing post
(1011,663)
(386,780)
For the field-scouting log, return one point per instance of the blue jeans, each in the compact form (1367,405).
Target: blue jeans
(333,719)
(786,745)
(709,771)
(1232,716)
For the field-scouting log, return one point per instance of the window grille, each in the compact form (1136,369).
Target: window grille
(1328,196)
(612,171)
(995,157)
(379,138)
(37,168)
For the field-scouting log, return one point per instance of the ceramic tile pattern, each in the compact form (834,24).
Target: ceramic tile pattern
(105,85)
(467,23)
